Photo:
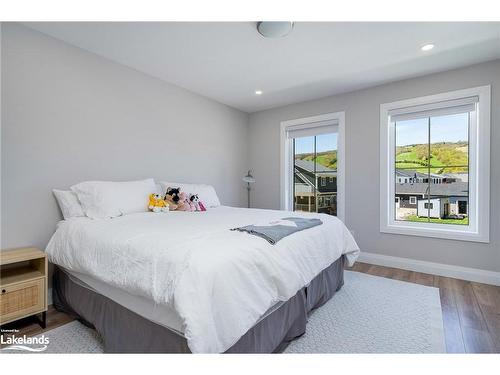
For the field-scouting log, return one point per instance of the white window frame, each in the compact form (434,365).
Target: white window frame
(413,200)
(479,171)
(286,156)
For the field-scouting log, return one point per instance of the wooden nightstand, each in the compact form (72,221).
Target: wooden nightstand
(23,284)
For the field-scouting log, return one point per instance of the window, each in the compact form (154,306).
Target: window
(311,156)
(432,147)
(314,157)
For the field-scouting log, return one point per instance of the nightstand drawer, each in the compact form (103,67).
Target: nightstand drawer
(21,299)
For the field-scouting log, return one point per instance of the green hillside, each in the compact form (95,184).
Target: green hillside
(455,155)
(327,159)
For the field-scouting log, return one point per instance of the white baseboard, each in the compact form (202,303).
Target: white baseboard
(456,272)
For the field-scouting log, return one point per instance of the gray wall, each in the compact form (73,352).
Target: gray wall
(362,164)
(70,116)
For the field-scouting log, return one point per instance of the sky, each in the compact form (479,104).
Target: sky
(324,142)
(451,128)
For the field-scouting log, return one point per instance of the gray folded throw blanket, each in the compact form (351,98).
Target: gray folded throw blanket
(279,229)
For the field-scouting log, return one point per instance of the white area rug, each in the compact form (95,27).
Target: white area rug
(373,314)
(369,314)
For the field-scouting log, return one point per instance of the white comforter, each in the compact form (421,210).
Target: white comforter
(220,282)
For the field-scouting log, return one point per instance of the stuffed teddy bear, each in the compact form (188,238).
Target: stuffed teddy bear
(197,204)
(185,204)
(177,199)
(157,204)
(172,198)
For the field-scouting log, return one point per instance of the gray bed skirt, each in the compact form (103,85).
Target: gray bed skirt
(124,331)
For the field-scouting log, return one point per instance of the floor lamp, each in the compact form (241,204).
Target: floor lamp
(249,179)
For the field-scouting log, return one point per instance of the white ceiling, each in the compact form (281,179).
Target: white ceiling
(229,61)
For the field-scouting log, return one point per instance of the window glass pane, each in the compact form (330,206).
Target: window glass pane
(450,193)
(326,150)
(412,171)
(303,176)
(315,174)
(412,146)
(450,141)
(326,172)
(412,189)
(436,173)
(327,193)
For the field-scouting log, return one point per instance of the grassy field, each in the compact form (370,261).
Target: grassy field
(464,221)
(442,154)
(411,160)
(327,159)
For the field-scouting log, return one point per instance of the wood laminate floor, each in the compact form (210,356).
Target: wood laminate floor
(471,311)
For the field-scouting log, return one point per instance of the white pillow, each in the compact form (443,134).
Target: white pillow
(68,203)
(206,193)
(106,199)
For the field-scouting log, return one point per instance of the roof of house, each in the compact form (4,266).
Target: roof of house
(453,189)
(308,166)
(304,174)
(412,173)
(303,178)
(459,176)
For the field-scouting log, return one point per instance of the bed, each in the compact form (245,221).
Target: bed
(183,282)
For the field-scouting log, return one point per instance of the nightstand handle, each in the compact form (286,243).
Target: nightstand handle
(3,291)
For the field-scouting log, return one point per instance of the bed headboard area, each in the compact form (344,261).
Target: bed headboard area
(70,116)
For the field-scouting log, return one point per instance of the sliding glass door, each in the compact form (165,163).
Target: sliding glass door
(315,173)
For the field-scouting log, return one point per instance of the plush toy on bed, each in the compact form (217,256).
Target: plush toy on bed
(157,204)
(185,202)
(195,201)
(177,199)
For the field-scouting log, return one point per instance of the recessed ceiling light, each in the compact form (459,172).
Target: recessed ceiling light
(258,92)
(427,47)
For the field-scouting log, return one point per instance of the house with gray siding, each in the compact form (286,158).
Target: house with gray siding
(444,196)
(315,187)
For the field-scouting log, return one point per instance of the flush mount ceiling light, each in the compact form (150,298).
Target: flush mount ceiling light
(427,47)
(258,92)
(274,29)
